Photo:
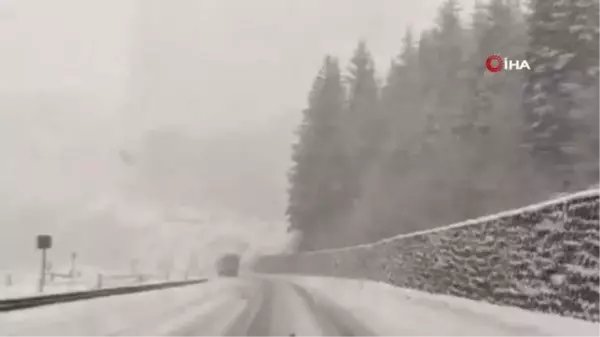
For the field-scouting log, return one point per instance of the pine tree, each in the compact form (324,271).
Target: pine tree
(364,113)
(479,21)
(582,21)
(450,43)
(375,205)
(583,87)
(470,128)
(489,119)
(402,112)
(316,194)
(490,31)
(445,129)
(363,119)
(428,64)
(546,107)
(563,36)
(401,108)
(366,134)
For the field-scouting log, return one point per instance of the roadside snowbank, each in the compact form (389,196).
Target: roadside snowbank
(392,311)
(25,284)
(136,314)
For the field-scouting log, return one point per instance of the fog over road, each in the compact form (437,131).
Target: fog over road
(282,306)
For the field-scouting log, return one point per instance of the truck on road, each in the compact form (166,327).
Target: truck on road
(228,265)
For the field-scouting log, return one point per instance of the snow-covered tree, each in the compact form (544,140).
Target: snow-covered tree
(316,180)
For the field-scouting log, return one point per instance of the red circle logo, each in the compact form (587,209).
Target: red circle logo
(489,63)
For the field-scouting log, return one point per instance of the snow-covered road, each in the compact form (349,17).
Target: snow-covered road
(122,315)
(286,305)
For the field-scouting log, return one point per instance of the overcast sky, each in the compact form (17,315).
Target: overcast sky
(85,45)
(213,65)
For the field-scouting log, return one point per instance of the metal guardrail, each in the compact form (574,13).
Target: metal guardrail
(36,301)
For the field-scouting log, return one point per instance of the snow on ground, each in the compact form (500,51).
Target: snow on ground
(114,233)
(385,309)
(175,245)
(31,289)
(26,283)
(396,311)
(137,314)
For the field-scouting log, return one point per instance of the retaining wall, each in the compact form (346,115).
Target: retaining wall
(543,258)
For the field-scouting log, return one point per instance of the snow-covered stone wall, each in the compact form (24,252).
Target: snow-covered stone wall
(543,258)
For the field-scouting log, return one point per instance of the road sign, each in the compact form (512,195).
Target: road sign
(44,241)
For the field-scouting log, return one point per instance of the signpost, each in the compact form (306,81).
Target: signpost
(44,242)
(73,271)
